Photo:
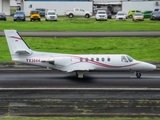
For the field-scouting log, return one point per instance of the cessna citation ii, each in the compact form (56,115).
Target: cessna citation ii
(79,63)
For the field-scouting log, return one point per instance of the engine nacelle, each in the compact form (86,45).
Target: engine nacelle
(62,61)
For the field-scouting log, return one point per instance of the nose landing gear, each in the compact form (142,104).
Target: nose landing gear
(138,74)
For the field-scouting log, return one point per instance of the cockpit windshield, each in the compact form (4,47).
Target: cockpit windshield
(129,58)
(126,59)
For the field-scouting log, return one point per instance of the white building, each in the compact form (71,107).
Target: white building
(61,6)
(5,6)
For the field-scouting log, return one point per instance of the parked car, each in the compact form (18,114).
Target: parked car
(35,15)
(101,15)
(137,16)
(50,14)
(41,11)
(147,14)
(3,16)
(109,14)
(155,15)
(131,12)
(77,12)
(120,16)
(19,15)
(124,13)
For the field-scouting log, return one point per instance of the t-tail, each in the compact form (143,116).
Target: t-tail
(16,44)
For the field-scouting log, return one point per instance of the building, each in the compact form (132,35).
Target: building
(5,6)
(89,5)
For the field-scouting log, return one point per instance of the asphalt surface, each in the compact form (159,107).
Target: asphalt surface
(88,34)
(41,93)
(54,79)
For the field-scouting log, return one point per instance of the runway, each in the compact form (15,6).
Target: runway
(53,79)
(41,93)
(88,34)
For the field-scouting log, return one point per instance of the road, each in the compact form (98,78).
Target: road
(53,79)
(88,34)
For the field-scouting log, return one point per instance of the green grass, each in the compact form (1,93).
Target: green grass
(81,24)
(146,49)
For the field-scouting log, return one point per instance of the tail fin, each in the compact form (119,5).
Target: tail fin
(16,44)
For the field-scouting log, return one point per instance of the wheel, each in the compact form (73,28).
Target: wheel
(138,75)
(87,16)
(79,74)
(39,19)
(70,15)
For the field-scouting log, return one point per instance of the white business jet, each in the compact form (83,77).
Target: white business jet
(79,63)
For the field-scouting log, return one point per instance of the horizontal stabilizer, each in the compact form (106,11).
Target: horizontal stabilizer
(23,52)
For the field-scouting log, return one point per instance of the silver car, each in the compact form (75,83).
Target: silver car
(101,15)
(120,16)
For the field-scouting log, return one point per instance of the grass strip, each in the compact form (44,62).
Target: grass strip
(80,24)
(145,49)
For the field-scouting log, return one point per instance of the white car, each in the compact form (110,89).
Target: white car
(101,15)
(50,14)
(120,16)
(124,13)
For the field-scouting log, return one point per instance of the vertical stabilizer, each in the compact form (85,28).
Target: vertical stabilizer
(16,44)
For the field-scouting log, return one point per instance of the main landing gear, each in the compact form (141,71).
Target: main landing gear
(138,74)
(79,74)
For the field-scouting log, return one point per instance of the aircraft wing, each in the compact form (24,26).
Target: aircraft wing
(47,60)
(81,68)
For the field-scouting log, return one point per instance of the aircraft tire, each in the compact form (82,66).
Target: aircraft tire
(138,75)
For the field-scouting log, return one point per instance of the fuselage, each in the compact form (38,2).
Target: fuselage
(85,62)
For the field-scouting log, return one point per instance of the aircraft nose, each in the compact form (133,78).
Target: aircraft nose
(151,66)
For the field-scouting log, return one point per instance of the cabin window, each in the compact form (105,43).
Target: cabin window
(124,59)
(102,59)
(92,59)
(97,59)
(86,59)
(108,59)
(81,59)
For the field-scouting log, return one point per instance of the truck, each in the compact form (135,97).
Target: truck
(50,14)
(78,12)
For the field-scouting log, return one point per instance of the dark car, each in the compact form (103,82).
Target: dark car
(41,11)
(19,15)
(147,14)
(155,15)
(109,14)
(3,16)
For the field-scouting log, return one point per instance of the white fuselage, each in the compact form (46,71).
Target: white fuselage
(88,62)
